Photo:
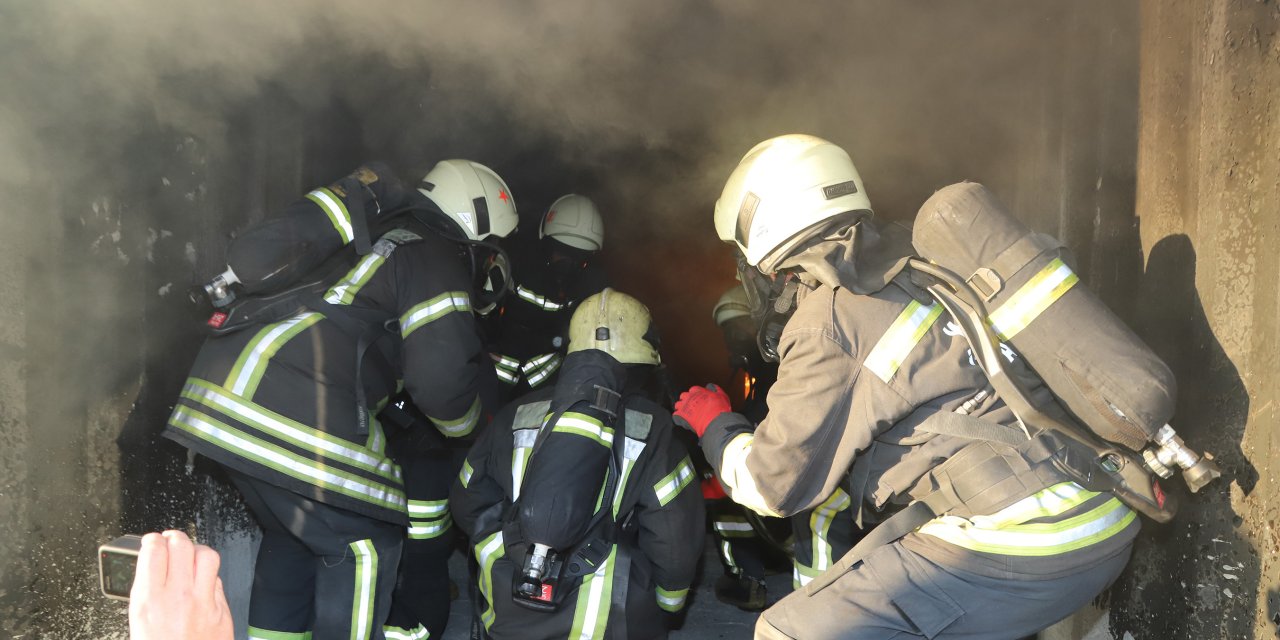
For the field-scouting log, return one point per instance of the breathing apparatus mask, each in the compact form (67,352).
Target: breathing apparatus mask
(772,300)
(486,260)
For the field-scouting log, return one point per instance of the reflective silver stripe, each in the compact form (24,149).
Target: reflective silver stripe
(1032,299)
(1036,539)
(337,212)
(345,291)
(585,426)
(734,527)
(672,601)
(428,508)
(433,309)
(537,300)
(460,426)
(820,526)
(296,433)
(673,483)
(726,552)
(366,558)
(903,336)
(631,450)
(505,376)
(274,457)
(429,529)
(464,476)
(594,599)
(252,362)
(397,633)
(543,373)
(488,552)
(523,441)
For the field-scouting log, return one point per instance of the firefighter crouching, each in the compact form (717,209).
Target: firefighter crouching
(286,405)
(863,362)
(821,535)
(551,275)
(582,510)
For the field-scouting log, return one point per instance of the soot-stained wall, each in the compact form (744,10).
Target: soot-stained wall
(1209,206)
(139,136)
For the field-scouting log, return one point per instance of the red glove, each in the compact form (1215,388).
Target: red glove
(698,406)
(712,489)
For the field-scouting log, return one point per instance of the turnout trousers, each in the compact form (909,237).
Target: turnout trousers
(420,607)
(322,573)
(899,594)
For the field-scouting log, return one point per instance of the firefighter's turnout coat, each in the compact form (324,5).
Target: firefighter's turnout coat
(859,376)
(278,402)
(533,328)
(659,490)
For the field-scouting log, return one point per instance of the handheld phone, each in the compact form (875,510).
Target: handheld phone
(117,563)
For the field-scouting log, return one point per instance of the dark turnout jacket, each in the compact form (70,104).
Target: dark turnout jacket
(659,491)
(278,401)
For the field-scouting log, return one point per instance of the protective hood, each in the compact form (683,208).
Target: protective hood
(858,257)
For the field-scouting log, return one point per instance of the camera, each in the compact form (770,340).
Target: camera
(117,564)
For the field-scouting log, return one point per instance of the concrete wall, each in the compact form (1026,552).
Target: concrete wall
(1209,206)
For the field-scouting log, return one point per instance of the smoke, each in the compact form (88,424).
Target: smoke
(137,135)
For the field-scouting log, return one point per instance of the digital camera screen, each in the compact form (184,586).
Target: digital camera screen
(117,572)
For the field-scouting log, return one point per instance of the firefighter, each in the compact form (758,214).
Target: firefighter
(551,276)
(820,535)
(278,406)
(588,469)
(864,366)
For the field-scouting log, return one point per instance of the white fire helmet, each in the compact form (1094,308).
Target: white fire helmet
(616,324)
(473,196)
(782,188)
(733,304)
(575,221)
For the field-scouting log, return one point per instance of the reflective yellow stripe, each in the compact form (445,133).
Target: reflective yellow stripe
(460,427)
(344,292)
(247,372)
(488,552)
(366,557)
(428,508)
(1025,305)
(672,600)
(820,527)
(673,483)
(398,633)
(429,529)
(594,600)
(802,575)
(584,425)
(333,207)
(464,476)
(433,310)
(903,336)
(539,301)
(987,535)
(256,633)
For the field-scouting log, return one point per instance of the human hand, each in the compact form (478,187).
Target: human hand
(698,406)
(177,594)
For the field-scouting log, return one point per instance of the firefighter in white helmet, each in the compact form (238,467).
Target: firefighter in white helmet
(551,275)
(284,400)
(579,502)
(864,367)
(477,205)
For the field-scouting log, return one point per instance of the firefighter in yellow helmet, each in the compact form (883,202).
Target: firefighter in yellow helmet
(593,521)
(864,365)
(552,274)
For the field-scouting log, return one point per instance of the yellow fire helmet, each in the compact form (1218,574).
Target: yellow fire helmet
(616,324)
